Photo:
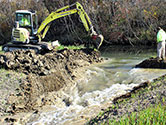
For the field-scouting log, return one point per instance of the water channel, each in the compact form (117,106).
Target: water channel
(101,84)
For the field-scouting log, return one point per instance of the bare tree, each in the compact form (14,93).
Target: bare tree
(121,22)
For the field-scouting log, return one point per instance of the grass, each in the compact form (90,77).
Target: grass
(1,50)
(75,47)
(150,116)
(154,115)
(68,47)
(72,47)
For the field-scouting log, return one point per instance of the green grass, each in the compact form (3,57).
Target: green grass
(68,47)
(59,47)
(1,50)
(75,47)
(150,116)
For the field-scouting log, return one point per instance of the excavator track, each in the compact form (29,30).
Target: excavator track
(39,48)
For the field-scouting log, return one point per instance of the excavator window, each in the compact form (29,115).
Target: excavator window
(35,21)
(23,19)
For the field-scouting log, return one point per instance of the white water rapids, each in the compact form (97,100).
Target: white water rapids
(95,91)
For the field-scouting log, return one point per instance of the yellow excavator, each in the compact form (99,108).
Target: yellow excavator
(27,35)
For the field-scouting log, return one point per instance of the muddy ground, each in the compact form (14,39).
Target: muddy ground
(152,63)
(9,81)
(40,75)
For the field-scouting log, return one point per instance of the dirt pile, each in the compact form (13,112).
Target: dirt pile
(27,61)
(45,73)
(152,63)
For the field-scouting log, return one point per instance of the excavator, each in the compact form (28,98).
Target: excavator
(27,35)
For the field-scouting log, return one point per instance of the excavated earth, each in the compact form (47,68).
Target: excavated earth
(42,74)
(152,63)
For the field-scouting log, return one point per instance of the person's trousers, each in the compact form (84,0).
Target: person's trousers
(161,50)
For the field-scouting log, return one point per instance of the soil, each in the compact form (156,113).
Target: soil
(9,81)
(152,63)
(52,72)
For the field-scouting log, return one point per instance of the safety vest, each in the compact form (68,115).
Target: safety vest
(25,21)
(161,35)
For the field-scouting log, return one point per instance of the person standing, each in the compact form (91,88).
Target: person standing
(161,37)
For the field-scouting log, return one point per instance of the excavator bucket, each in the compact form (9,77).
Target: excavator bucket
(97,41)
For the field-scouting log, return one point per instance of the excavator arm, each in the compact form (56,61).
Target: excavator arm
(62,12)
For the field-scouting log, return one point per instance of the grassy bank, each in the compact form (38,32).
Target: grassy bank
(152,115)
(144,106)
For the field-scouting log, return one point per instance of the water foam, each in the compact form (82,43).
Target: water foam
(80,103)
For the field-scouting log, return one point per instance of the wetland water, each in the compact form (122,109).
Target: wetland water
(102,82)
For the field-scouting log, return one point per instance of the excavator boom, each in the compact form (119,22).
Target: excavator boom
(62,12)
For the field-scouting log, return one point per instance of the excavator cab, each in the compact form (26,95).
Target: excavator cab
(26,27)
(27,19)
(24,19)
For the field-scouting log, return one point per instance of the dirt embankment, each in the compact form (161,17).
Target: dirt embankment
(152,63)
(45,73)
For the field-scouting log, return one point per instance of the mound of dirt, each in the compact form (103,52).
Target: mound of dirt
(152,63)
(27,61)
(45,73)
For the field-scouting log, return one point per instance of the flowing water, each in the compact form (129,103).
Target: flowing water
(101,84)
